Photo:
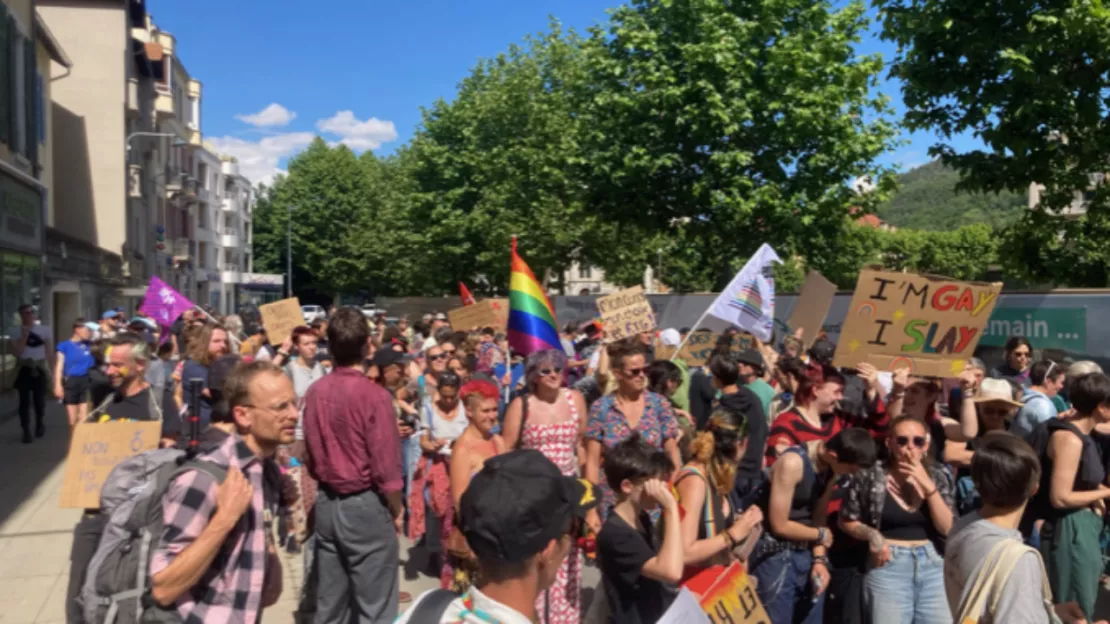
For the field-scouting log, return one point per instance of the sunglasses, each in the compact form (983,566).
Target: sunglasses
(449,352)
(635,372)
(438,357)
(544,372)
(918,441)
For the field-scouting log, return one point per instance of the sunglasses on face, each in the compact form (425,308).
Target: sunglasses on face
(918,441)
(449,352)
(544,372)
(437,357)
(635,372)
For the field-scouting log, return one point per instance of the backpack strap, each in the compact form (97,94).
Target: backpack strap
(992,577)
(710,520)
(432,606)
(523,420)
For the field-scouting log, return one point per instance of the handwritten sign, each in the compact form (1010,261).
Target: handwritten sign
(727,596)
(280,318)
(699,347)
(812,306)
(625,313)
(901,320)
(486,313)
(96,448)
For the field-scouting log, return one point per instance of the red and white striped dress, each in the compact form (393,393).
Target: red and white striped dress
(559,443)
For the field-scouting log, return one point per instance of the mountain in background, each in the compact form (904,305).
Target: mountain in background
(927,200)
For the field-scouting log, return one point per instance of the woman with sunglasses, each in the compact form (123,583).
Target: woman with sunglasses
(443,420)
(469,453)
(902,508)
(917,398)
(552,420)
(993,407)
(630,408)
(1019,358)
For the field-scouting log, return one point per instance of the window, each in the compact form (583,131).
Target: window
(585,272)
(202,175)
(19,81)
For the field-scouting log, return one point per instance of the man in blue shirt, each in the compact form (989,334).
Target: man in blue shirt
(71,372)
(1047,379)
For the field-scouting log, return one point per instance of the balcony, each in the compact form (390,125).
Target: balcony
(195,138)
(205,235)
(207,275)
(231,276)
(229,204)
(229,237)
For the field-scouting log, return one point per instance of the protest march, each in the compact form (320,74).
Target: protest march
(723,472)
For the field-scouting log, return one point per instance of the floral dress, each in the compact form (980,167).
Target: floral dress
(610,427)
(562,602)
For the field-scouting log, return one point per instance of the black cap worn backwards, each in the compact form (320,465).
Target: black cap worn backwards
(518,503)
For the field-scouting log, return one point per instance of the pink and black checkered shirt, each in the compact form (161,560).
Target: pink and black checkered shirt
(231,590)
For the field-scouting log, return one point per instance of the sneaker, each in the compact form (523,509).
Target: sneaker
(40,430)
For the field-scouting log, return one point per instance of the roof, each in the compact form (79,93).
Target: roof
(43,34)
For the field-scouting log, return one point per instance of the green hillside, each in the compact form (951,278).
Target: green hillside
(927,200)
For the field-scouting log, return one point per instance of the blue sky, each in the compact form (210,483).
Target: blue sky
(278,72)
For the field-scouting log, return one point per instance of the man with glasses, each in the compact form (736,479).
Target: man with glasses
(34,354)
(224,530)
(1047,379)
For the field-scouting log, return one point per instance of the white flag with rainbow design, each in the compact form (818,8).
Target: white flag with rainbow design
(749,300)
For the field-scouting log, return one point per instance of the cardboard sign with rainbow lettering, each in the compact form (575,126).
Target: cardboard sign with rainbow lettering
(930,325)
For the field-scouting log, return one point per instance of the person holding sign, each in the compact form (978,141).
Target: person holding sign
(903,508)
(791,559)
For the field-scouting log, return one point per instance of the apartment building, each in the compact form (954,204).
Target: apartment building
(29,56)
(127,121)
(234,232)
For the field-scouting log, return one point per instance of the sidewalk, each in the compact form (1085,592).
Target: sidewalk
(35,534)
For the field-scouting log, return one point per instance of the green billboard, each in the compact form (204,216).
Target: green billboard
(1046,328)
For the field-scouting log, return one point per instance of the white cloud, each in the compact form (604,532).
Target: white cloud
(272,116)
(358,135)
(258,160)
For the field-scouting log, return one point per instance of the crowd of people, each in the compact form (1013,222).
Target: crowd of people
(850,495)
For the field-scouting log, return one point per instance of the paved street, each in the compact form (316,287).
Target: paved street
(35,534)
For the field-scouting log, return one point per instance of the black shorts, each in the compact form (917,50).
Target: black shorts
(75,390)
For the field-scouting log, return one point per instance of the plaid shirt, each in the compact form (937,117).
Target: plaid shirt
(231,590)
(866,493)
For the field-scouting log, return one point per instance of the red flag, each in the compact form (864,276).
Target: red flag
(464,293)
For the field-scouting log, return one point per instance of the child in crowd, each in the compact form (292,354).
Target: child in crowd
(638,573)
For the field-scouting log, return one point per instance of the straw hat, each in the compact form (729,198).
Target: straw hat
(996,391)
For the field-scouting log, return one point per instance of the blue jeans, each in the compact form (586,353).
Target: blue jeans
(784,587)
(909,589)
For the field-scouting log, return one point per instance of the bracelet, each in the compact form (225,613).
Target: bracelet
(822,535)
(822,559)
(930,494)
(728,539)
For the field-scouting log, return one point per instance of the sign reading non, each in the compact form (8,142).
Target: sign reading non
(95,449)
(926,324)
(485,313)
(280,318)
(812,306)
(727,596)
(625,313)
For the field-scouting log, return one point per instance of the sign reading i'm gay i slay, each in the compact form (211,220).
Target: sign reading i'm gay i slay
(926,324)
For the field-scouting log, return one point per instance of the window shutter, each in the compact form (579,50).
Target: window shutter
(7,88)
(14,106)
(30,101)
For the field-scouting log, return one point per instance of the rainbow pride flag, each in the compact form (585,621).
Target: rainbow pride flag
(532,325)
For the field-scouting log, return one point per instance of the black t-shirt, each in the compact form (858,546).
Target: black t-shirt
(622,551)
(138,407)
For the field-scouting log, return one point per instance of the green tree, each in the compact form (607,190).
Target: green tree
(927,199)
(1029,79)
(729,125)
(500,159)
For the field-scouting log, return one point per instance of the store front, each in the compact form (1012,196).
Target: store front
(21,240)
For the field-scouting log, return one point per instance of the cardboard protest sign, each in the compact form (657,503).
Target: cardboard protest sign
(812,306)
(929,325)
(486,313)
(625,313)
(95,449)
(684,610)
(699,346)
(727,596)
(280,318)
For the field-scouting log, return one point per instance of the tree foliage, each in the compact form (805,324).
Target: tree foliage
(927,199)
(1029,79)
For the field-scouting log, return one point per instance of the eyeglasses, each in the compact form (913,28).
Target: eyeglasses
(437,357)
(544,372)
(918,441)
(635,372)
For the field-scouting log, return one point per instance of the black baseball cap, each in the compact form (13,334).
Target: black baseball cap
(386,357)
(751,357)
(518,503)
(822,352)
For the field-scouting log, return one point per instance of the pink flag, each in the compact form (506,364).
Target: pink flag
(164,304)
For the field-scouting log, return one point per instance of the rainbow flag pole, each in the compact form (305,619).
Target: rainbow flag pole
(532,325)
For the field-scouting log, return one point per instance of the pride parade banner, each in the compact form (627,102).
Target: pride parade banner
(927,324)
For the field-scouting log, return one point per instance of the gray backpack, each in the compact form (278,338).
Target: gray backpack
(117,581)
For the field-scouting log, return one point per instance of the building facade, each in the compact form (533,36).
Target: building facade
(29,54)
(236,201)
